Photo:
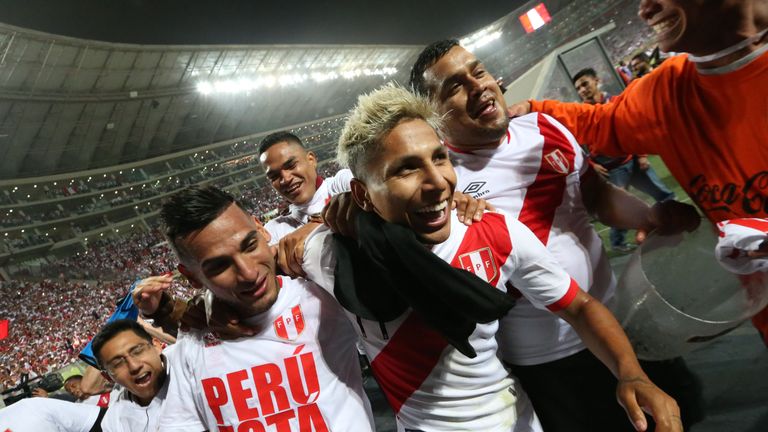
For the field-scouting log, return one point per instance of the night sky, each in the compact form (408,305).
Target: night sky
(255,22)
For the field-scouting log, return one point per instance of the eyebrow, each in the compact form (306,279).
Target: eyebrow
(244,243)
(455,77)
(285,164)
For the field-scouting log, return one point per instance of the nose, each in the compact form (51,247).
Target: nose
(434,181)
(133,364)
(476,86)
(648,8)
(246,270)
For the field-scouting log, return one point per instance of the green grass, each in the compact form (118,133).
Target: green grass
(671,183)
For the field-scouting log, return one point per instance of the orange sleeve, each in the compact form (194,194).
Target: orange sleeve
(632,123)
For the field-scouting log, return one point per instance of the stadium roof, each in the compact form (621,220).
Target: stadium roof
(70,104)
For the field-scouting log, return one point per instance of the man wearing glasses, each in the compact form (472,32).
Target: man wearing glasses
(126,352)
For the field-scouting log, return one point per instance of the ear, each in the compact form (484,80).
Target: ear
(262,231)
(190,277)
(360,195)
(311,157)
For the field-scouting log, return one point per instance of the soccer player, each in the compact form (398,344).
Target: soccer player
(707,108)
(299,371)
(125,350)
(48,414)
(533,168)
(404,175)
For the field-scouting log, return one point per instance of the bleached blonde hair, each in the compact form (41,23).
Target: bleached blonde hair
(374,117)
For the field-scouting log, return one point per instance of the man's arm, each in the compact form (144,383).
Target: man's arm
(542,280)
(603,335)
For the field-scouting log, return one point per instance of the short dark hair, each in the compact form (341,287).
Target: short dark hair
(642,57)
(111,330)
(428,56)
(72,377)
(193,208)
(584,72)
(278,137)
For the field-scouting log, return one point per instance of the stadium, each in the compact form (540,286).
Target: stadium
(95,136)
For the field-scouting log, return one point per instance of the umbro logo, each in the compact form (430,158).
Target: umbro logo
(474,187)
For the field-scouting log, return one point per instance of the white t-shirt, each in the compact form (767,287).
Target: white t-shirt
(534,176)
(299,215)
(428,383)
(125,415)
(300,372)
(49,415)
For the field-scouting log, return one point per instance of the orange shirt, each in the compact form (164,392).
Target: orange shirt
(710,130)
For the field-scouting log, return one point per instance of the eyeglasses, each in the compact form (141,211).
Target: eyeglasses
(118,363)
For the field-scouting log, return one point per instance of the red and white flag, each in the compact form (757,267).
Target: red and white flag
(290,324)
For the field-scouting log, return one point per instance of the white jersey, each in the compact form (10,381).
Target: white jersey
(534,175)
(48,414)
(299,215)
(125,415)
(429,384)
(299,373)
(737,238)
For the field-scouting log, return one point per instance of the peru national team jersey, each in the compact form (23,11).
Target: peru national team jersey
(299,215)
(534,175)
(300,372)
(429,384)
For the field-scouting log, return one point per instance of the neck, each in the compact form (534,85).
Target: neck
(750,29)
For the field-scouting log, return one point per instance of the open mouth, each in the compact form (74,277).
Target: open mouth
(143,379)
(433,216)
(292,189)
(486,108)
(665,26)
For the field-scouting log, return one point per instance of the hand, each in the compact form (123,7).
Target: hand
(224,320)
(38,392)
(672,217)
(290,250)
(148,293)
(601,170)
(761,252)
(469,209)
(519,109)
(638,395)
(642,163)
(339,214)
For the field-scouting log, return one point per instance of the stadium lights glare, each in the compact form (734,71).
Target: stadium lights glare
(245,85)
(480,39)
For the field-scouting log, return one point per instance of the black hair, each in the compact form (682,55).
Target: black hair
(278,137)
(642,57)
(193,208)
(428,56)
(75,376)
(584,72)
(111,330)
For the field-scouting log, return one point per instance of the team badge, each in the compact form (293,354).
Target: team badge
(558,161)
(480,262)
(290,324)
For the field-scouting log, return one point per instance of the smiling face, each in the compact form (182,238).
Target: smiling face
(698,27)
(230,256)
(471,100)
(411,182)
(134,363)
(292,171)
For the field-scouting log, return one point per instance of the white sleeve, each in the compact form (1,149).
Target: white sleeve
(339,183)
(536,273)
(580,160)
(319,259)
(180,411)
(46,414)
